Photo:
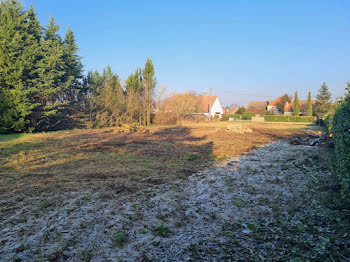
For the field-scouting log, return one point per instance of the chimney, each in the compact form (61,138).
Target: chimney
(269,102)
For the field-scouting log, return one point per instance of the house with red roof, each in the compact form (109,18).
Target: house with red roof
(272,106)
(231,111)
(289,107)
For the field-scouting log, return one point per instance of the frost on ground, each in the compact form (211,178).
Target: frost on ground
(259,206)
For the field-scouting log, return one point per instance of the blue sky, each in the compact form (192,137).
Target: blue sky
(244,50)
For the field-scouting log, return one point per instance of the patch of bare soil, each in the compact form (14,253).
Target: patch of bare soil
(250,208)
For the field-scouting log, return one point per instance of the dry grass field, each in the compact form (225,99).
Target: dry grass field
(194,192)
(104,158)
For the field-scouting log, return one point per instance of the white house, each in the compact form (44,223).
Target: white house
(210,102)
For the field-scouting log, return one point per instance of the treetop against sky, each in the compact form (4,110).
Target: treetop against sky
(238,48)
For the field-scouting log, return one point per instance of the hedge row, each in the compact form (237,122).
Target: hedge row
(305,119)
(341,134)
(244,116)
(328,122)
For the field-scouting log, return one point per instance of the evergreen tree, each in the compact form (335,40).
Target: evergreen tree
(52,75)
(309,105)
(296,105)
(134,97)
(17,56)
(41,80)
(32,52)
(33,26)
(39,73)
(323,102)
(149,83)
(73,66)
(107,99)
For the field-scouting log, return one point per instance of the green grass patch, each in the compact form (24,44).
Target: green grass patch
(162,230)
(10,137)
(119,238)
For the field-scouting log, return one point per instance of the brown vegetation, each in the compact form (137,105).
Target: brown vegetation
(257,107)
(184,108)
(177,107)
(106,158)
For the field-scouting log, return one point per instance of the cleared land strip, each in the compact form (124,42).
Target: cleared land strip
(265,205)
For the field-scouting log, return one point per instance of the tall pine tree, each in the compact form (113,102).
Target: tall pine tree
(19,53)
(309,105)
(296,108)
(53,83)
(33,50)
(149,83)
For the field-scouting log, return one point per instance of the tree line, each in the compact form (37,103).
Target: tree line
(42,82)
(110,104)
(320,107)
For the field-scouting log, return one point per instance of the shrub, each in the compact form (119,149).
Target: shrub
(304,119)
(164,118)
(195,118)
(162,230)
(341,134)
(328,122)
(224,118)
(240,110)
(269,113)
(247,114)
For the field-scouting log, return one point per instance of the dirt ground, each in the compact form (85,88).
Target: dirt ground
(178,193)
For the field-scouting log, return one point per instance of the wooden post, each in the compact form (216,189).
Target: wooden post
(210,104)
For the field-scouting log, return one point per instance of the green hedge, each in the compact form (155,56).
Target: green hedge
(328,122)
(244,116)
(304,119)
(341,135)
(4,130)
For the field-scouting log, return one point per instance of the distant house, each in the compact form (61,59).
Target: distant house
(210,102)
(272,106)
(257,107)
(289,107)
(232,111)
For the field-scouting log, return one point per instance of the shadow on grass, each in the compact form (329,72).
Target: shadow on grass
(114,162)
